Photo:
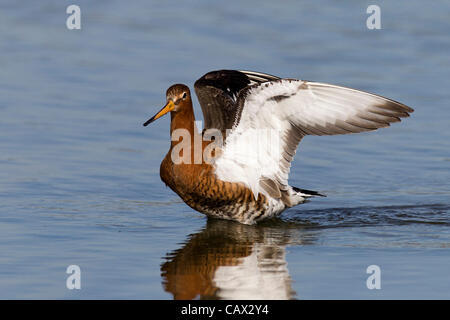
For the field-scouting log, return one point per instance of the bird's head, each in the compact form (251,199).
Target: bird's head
(178,99)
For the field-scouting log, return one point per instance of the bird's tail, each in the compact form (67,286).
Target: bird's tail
(308,193)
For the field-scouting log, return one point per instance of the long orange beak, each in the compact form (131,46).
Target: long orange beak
(167,108)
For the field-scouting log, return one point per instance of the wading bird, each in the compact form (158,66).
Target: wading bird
(247,181)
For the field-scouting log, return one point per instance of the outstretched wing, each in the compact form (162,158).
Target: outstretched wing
(217,92)
(276,115)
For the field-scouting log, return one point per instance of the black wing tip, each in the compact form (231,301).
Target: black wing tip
(404,107)
(396,106)
(409,109)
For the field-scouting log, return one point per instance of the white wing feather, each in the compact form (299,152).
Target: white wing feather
(276,115)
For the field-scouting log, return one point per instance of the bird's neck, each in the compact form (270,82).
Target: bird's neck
(182,121)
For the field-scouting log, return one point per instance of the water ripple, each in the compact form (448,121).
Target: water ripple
(432,214)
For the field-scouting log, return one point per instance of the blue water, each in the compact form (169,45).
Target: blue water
(79,175)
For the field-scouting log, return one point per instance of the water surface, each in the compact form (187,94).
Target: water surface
(79,175)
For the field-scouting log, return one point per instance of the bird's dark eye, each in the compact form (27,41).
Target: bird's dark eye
(184,95)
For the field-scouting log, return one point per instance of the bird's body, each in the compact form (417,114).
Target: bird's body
(201,189)
(260,119)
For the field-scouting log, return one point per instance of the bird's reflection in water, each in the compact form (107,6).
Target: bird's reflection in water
(229,260)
